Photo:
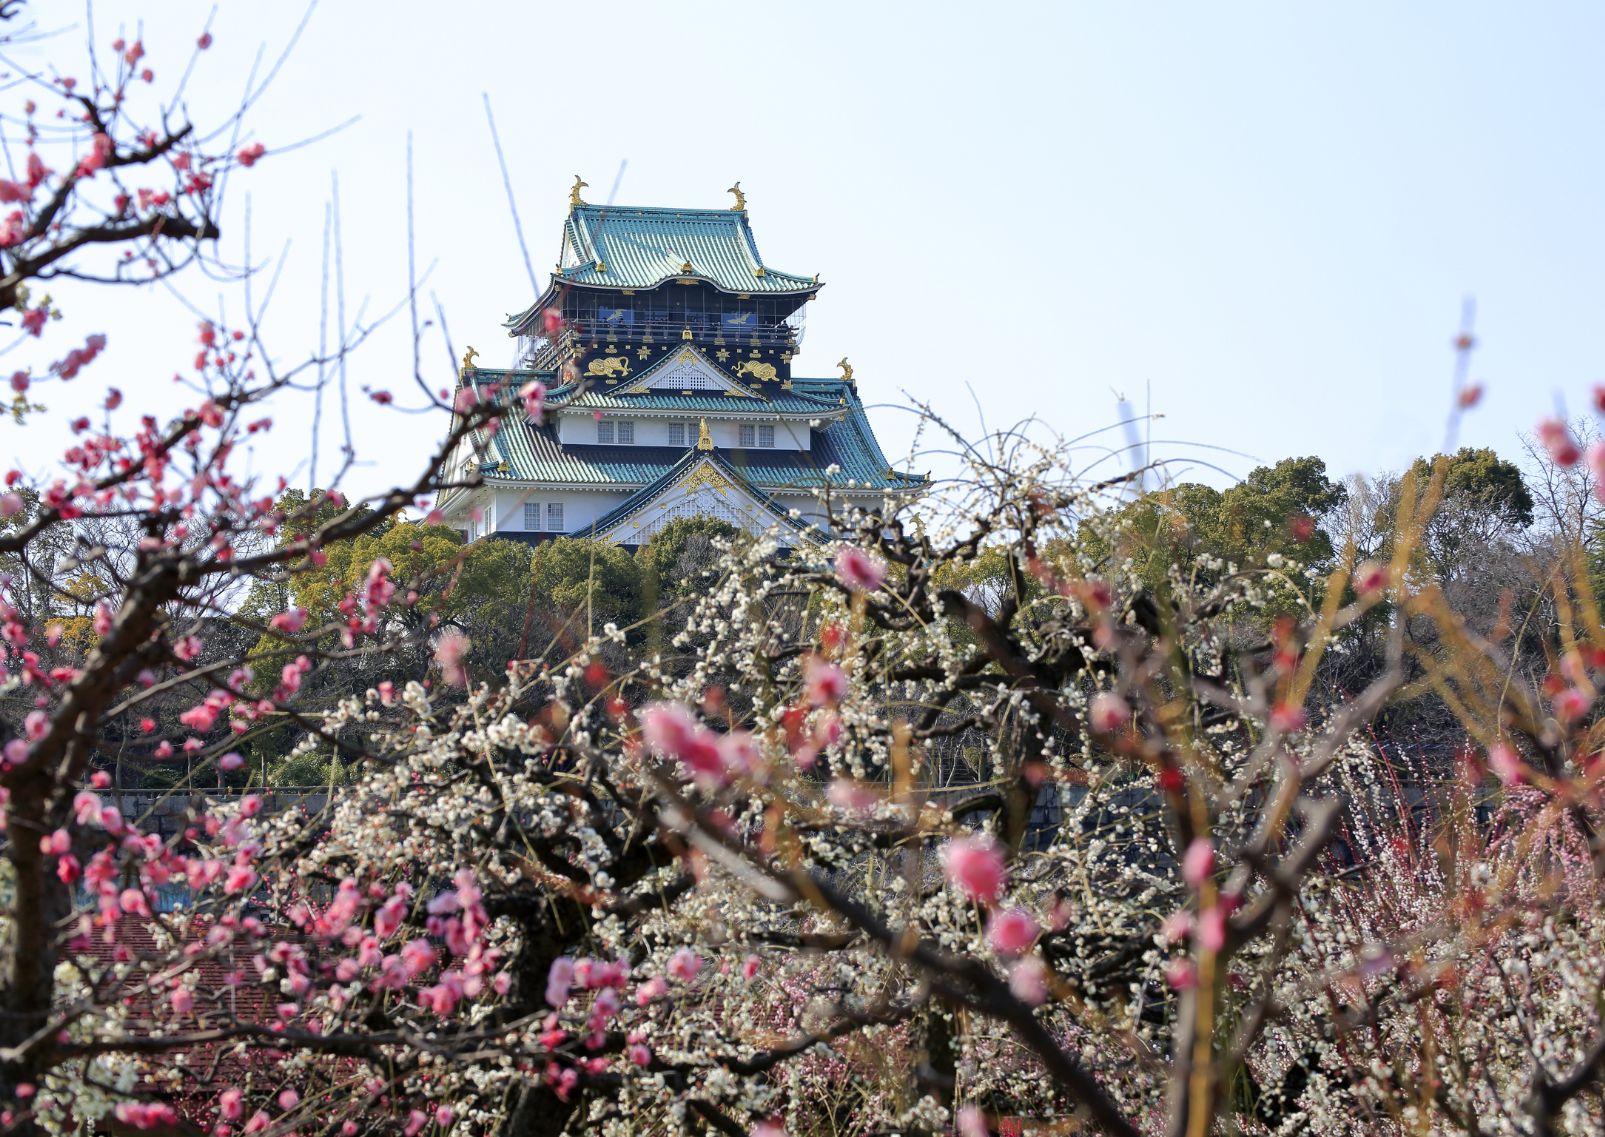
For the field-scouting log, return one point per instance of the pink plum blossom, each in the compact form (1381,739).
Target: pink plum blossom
(291,620)
(1028,981)
(971,1122)
(231,1104)
(854,796)
(1557,438)
(684,965)
(859,570)
(1571,704)
(975,865)
(559,978)
(1109,713)
(1198,862)
(1370,578)
(824,682)
(1011,931)
(450,653)
(533,395)
(671,730)
(1287,718)
(1506,764)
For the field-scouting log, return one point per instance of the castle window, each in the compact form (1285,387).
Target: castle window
(554,517)
(604,431)
(686,378)
(626,433)
(532,516)
(677,433)
(755,435)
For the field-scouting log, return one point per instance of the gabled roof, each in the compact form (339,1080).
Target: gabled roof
(844,454)
(685,380)
(787,404)
(681,368)
(641,247)
(674,493)
(844,451)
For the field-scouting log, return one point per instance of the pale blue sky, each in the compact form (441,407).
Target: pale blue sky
(1261,216)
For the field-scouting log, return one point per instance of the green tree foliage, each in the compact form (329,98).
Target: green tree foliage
(300,513)
(675,566)
(987,578)
(1486,503)
(451,582)
(675,561)
(1161,530)
(305,769)
(579,585)
(1274,515)
(1279,509)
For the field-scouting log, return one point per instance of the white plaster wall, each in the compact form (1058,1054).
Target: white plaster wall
(504,509)
(580,429)
(732,505)
(580,507)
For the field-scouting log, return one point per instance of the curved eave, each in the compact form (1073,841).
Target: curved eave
(732,410)
(586,276)
(516,322)
(643,497)
(636,241)
(787,405)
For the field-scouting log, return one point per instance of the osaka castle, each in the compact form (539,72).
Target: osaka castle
(668,349)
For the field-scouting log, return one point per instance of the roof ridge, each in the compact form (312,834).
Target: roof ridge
(721,211)
(642,497)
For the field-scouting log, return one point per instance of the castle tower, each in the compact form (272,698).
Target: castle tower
(668,350)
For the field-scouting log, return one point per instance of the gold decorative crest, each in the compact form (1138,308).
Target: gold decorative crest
(613,366)
(706,475)
(756,370)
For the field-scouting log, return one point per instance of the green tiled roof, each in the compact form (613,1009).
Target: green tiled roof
(533,453)
(775,403)
(641,247)
(649,493)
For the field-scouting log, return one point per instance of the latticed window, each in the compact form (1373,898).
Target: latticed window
(532,516)
(554,517)
(677,434)
(753,434)
(604,431)
(626,433)
(686,377)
